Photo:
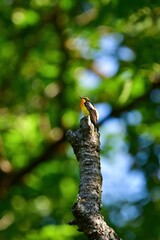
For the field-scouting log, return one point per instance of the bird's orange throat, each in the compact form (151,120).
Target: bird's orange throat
(82,102)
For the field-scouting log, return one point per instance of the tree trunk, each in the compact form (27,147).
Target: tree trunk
(86,210)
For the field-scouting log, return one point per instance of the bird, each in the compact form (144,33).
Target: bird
(88,109)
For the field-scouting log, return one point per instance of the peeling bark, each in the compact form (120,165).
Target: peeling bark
(86,210)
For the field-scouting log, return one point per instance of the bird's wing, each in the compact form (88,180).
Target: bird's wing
(92,111)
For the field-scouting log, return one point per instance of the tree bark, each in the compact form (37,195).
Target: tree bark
(86,145)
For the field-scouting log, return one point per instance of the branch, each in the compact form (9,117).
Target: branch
(86,210)
(14,178)
(46,155)
(116,112)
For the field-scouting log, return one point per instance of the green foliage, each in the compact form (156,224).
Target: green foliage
(52,52)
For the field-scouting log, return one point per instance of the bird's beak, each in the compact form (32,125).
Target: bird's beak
(80,97)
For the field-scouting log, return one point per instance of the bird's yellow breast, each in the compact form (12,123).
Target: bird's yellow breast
(84,109)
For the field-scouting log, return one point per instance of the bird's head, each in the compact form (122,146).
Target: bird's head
(84,99)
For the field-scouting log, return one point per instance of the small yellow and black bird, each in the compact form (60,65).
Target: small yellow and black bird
(89,110)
